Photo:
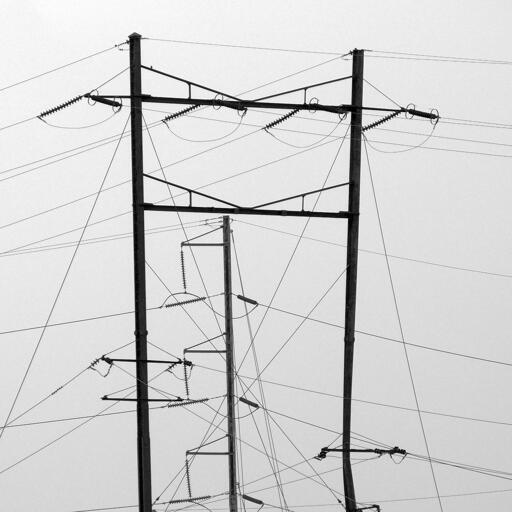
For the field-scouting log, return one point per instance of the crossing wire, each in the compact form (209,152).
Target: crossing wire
(265,84)
(410,56)
(201,277)
(400,325)
(61,286)
(305,460)
(68,432)
(261,452)
(377,253)
(294,251)
(281,495)
(6,87)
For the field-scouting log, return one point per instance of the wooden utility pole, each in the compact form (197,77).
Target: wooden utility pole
(139,255)
(351,279)
(230,366)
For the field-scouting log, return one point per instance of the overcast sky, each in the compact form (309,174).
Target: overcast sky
(443,196)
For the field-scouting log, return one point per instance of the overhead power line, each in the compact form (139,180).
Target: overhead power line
(61,286)
(247,47)
(53,70)
(368,52)
(439,58)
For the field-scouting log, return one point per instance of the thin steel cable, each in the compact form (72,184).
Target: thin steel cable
(75,321)
(383,94)
(298,146)
(300,71)
(67,433)
(16,123)
(114,237)
(318,302)
(282,497)
(272,461)
(214,139)
(301,454)
(5,87)
(399,319)
(409,146)
(367,251)
(61,387)
(431,148)
(394,340)
(261,452)
(203,283)
(182,306)
(207,435)
(311,319)
(290,259)
(438,58)
(84,127)
(61,286)
(247,47)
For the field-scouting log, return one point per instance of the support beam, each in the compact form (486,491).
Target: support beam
(245,211)
(351,279)
(230,366)
(139,262)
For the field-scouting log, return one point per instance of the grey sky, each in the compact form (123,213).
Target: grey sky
(446,203)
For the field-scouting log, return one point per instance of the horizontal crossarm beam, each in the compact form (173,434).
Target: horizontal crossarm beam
(245,104)
(244,211)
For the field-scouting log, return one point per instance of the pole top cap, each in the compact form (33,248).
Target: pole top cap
(134,35)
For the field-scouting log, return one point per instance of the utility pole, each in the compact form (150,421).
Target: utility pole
(351,279)
(230,367)
(141,333)
(137,99)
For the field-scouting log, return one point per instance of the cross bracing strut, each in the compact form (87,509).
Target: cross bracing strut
(240,210)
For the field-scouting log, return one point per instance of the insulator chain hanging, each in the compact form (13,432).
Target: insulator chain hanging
(59,107)
(187,475)
(381,121)
(171,366)
(183,275)
(189,500)
(183,302)
(180,113)
(280,120)
(188,402)
(186,379)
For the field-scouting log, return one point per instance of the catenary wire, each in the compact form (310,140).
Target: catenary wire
(67,433)
(4,88)
(377,253)
(61,286)
(317,303)
(114,186)
(62,386)
(294,251)
(247,47)
(265,84)
(277,470)
(200,274)
(306,461)
(435,58)
(258,450)
(397,310)
(16,123)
